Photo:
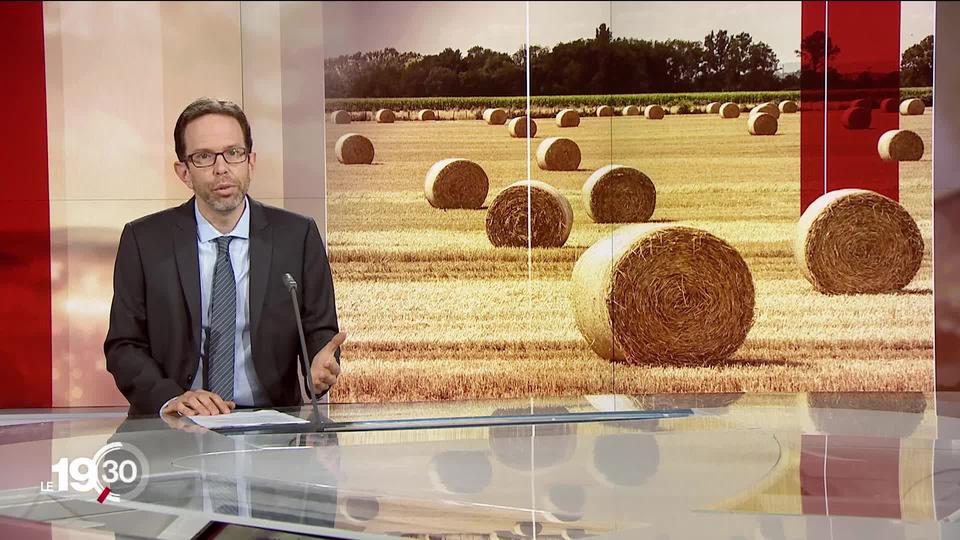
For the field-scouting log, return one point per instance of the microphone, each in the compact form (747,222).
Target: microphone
(291,285)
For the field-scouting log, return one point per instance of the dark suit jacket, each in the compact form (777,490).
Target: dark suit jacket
(153,344)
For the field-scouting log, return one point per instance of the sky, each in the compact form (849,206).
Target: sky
(429,27)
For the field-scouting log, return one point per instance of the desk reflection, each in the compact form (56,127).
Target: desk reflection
(294,479)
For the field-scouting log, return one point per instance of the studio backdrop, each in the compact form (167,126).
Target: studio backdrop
(517,198)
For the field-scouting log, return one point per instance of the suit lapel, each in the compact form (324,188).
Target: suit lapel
(261,255)
(188,265)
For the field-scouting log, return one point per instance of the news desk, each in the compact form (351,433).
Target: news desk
(730,466)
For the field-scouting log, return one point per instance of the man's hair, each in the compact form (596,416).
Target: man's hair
(204,106)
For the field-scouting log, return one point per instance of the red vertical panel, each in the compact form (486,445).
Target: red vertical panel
(946,212)
(863,476)
(25,348)
(866,67)
(946,279)
(850,476)
(813,491)
(25,529)
(812,29)
(855,46)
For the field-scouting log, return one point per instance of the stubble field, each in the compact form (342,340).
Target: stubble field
(434,311)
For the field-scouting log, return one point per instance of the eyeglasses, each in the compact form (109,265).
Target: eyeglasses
(205,158)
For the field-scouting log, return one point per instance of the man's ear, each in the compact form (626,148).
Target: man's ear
(183,173)
(252,163)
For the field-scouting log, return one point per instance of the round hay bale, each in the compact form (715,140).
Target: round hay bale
(456,183)
(340,117)
(564,502)
(653,112)
(495,117)
(460,471)
(761,123)
(729,110)
(900,145)
(354,149)
(713,107)
(558,154)
(614,463)
(550,219)
(855,241)
(426,114)
(385,116)
(568,118)
(518,127)
(604,110)
(912,107)
(767,108)
(619,194)
(788,107)
(663,294)
(861,104)
(360,509)
(889,105)
(856,118)
(631,110)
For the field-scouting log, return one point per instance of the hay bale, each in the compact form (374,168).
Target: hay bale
(619,194)
(713,107)
(495,117)
(456,183)
(855,241)
(460,471)
(604,110)
(788,107)
(729,110)
(912,107)
(900,145)
(889,105)
(856,118)
(426,114)
(663,294)
(354,149)
(653,112)
(631,110)
(550,219)
(340,117)
(385,116)
(762,123)
(558,154)
(568,118)
(766,108)
(518,127)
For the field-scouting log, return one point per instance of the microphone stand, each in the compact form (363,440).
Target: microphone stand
(292,287)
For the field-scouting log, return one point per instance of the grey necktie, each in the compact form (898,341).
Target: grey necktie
(223,322)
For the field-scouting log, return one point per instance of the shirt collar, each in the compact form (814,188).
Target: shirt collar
(206,232)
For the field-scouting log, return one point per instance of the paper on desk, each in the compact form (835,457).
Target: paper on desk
(266,417)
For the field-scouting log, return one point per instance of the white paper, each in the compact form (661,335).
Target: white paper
(266,417)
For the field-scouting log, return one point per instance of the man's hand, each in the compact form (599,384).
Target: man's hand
(324,368)
(198,402)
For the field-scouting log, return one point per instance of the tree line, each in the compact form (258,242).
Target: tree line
(721,62)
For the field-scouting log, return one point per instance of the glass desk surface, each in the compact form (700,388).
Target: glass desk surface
(731,466)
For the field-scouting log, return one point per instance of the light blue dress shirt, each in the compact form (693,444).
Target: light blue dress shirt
(247,390)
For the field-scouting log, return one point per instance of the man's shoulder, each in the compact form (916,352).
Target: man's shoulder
(162,219)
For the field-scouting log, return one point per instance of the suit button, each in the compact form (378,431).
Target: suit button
(189,378)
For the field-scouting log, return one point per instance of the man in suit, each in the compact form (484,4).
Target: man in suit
(201,319)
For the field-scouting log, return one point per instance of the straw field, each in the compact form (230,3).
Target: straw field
(434,311)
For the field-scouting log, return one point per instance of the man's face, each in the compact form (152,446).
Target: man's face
(221,186)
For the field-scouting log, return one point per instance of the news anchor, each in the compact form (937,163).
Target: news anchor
(204,283)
